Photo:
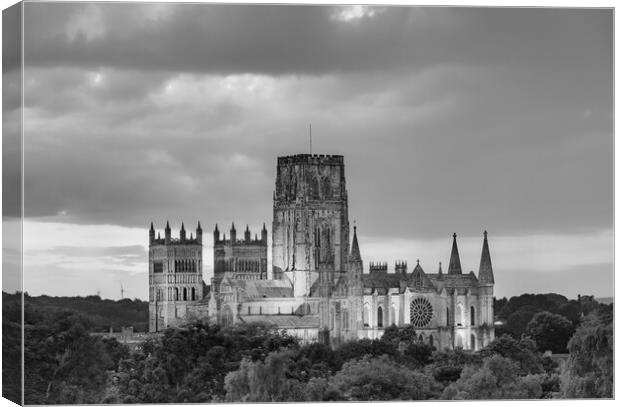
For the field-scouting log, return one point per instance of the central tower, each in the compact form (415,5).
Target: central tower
(310,220)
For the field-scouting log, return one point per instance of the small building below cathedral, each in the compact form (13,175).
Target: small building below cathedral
(318,288)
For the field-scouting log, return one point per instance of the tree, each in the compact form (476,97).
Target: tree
(523,352)
(588,373)
(264,381)
(550,331)
(516,323)
(497,378)
(190,364)
(380,378)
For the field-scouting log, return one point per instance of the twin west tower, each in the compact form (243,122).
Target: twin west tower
(317,287)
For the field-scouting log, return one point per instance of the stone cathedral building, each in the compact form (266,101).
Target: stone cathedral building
(317,288)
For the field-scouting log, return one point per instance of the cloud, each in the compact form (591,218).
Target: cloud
(224,39)
(353,13)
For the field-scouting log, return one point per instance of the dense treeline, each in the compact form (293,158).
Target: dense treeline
(551,319)
(65,364)
(59,326)
(102,313)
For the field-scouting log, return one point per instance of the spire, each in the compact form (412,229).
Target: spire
(233,233)
(355,248)
(455,260)
(216,235)
(440,272)
(167,238)
(182,232)
(151,234)
(263,234)
(485,273)
(199,233)
(247,236)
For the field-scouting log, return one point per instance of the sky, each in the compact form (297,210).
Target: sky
(449,119)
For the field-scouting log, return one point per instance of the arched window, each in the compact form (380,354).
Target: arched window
(365,315)
(345,319)
(227,317)
(249,311)
(472,315)
(393,315)
(430,341)
(193,294)
(472,341)
(176,293)
(260,310)
(184,294)
(421,338)
(459,341)
(327,189)
(460,318)
(380,317)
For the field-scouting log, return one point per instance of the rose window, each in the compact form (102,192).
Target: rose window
(421,312)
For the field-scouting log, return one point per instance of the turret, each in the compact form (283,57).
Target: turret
(167,233)
(233,234)
(263,234)
(455,260)
(216,234)
(401,267)
(485,273)
(182,232)
(199,234)
(246,235)
(440,272)
(151,234)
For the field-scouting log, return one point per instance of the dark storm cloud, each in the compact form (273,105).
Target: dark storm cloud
(138,111)
(282,39)
(11,34)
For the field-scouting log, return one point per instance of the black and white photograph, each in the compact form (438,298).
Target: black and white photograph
(229,202)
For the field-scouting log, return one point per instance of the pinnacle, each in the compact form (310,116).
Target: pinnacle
(485,272)
(455,260)
(355,249)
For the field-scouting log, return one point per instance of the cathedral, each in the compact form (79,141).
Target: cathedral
(317,288)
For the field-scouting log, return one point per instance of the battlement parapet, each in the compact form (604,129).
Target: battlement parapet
(312,159)
(378,266)
(176,242)
(168,240)
(240,242)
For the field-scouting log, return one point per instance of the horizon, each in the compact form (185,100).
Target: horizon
(475,119)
